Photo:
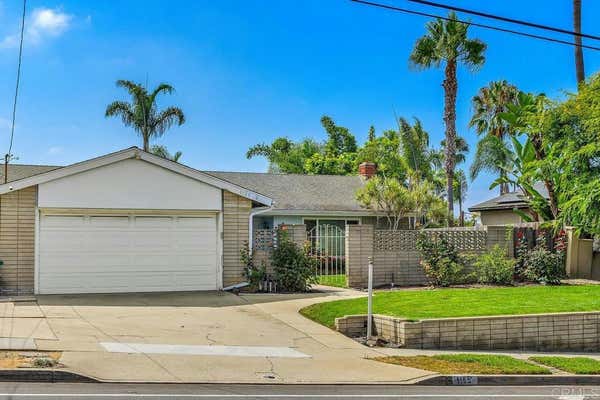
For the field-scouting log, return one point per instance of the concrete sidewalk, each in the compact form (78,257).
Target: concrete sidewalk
(81,326)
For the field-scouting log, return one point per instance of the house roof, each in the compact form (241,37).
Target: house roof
(21,171)
(35,175)
(509,201)
(294,192)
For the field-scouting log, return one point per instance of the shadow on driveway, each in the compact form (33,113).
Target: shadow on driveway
(172,299)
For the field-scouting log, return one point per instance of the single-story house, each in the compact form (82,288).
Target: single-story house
(500,209)
(130,221)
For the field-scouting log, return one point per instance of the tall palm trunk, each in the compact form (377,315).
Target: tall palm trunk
(450,88)
(146,142)
(579,69)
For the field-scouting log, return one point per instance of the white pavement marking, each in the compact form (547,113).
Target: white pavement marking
(11,343)
(203,350)
(259,396)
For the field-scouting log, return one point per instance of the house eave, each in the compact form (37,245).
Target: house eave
(129,153)
(327,213)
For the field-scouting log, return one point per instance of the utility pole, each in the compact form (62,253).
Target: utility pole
(579,68)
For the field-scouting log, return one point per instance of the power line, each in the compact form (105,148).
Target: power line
(14,112)
(505,19)
(495,28)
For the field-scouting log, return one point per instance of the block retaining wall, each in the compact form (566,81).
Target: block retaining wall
(540,332)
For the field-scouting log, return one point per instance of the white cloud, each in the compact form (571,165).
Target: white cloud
(41,24)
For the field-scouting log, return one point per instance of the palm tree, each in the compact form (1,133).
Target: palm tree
(488,105)
(579,70)
(460,156)
(161,151)
(414,148)
(460,192)
(495,156)
(446,42)
(142,113)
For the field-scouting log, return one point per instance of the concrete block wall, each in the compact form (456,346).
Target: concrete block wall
(359,247)
(400,267)
(262,255)
(540,332)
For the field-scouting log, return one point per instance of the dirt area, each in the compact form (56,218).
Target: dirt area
(29,359)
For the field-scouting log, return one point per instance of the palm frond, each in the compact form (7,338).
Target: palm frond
(165,119)
(121,109)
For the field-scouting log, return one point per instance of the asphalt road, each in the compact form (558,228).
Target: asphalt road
(107,391)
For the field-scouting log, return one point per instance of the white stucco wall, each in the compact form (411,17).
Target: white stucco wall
(129,184)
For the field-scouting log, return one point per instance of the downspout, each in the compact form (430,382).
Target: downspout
(257,211)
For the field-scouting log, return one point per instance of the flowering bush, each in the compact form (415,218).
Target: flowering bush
(440,260)
(543,265)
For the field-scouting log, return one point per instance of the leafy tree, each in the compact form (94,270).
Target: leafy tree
(371,134)
(285,155)
(339,139)
(396,201)
(446,42)
(142,112)
(161,151)
(531,116)
(386,152)
(573,141)
(336,156)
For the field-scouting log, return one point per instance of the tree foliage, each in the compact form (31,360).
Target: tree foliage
(142,112)
(395,201)
(162,151)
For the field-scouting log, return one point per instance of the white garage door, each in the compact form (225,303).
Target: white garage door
(126,253)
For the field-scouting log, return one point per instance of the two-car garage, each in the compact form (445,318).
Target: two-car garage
(104,253)
(125,222)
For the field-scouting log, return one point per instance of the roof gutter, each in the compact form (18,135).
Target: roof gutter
(254,213)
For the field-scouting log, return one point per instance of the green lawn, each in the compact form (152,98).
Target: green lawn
(333,280)
(446,303)
(467,364)
(574,365)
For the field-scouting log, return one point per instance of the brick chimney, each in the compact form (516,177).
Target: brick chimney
(367,169)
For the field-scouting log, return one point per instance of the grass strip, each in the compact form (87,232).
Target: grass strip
(574,365)
(476,364)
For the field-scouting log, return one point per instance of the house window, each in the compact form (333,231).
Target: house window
(313,222)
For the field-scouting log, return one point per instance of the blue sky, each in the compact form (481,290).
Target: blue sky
(249,71)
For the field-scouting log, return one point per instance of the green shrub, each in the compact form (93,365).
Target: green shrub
(494,267)
(543,266)
(253,274)
(441,262)
(293,267)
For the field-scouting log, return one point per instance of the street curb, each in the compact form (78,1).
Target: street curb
(43,375)
(509,380)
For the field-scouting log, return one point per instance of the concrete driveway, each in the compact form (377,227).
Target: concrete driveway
(195,337)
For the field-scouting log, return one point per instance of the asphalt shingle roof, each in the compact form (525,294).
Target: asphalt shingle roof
(288,191)
(21,171)
(508,201)
(300,192)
